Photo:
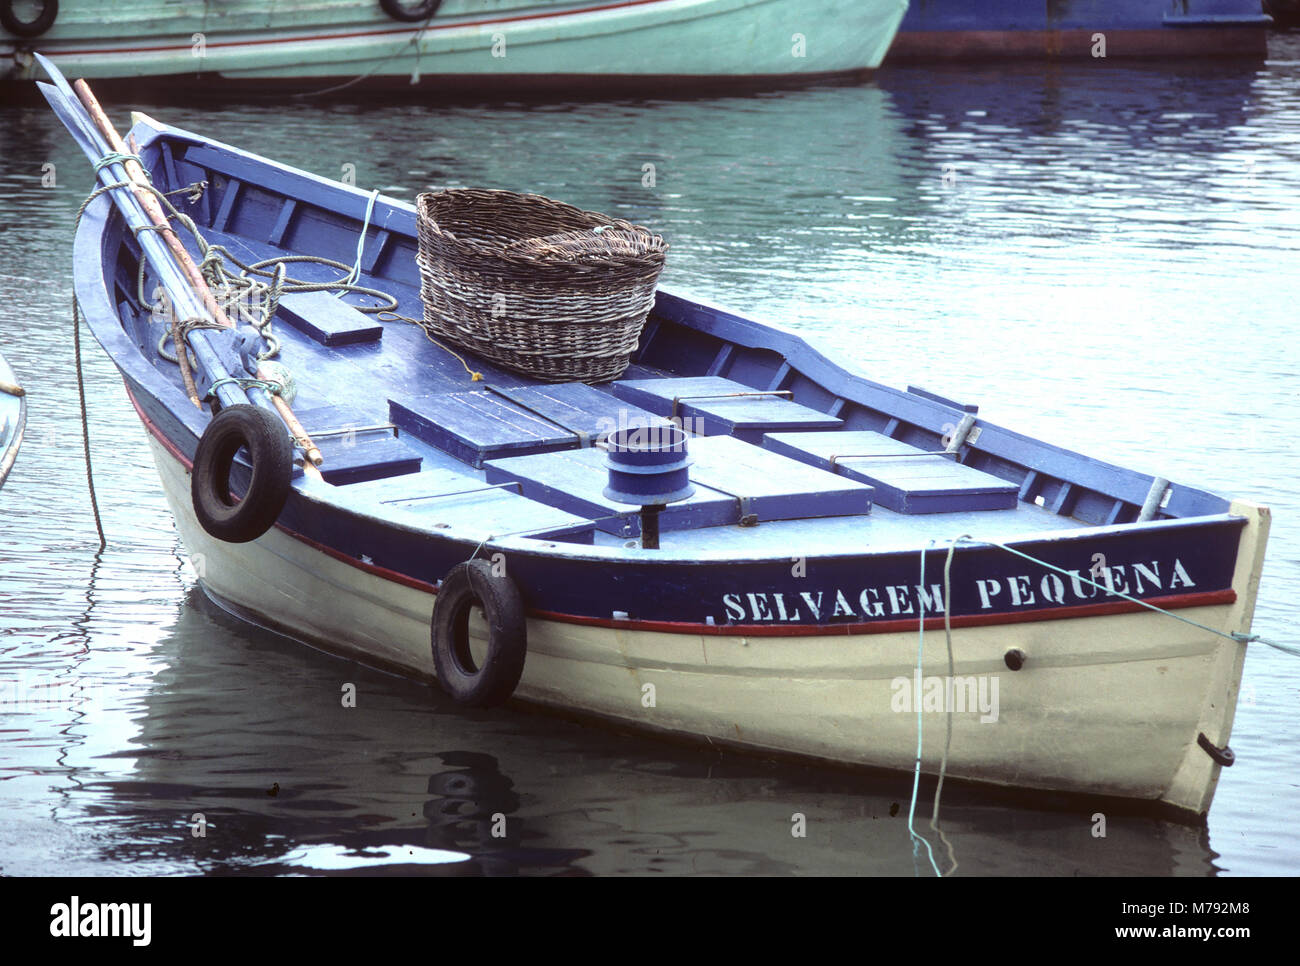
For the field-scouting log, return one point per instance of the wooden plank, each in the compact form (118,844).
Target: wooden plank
(228,199)
(477,426)
(720,361)
(357,457)
(282,222)
(905,480)
(445,499)
(710,405)
(328,319)
(574,481)
(581,409)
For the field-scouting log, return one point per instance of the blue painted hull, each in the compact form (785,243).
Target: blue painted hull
(964,30)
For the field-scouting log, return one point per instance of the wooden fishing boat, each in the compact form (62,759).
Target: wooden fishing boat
(457,46)
(782,607)
(961,30)
(13,418)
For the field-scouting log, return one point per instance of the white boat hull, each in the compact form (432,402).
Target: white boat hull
(1105,706)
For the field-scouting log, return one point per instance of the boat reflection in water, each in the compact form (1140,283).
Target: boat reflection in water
(249,731)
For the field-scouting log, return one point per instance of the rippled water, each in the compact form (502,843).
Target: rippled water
(1103,256)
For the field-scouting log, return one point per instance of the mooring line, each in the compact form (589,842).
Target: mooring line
(85,424)
(916,772)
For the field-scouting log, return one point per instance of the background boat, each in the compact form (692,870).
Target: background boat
(512,46)
(936,30)
(13,418)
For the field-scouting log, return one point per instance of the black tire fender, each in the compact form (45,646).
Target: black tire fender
(42,22)
(266,440)
(410,13)
(466,584)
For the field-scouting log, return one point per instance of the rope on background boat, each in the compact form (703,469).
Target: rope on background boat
(378,64)
(1232,635)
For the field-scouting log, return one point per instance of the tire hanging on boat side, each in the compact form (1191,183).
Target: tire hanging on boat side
(466,584)
(34,27)
(266,441)
(410,14)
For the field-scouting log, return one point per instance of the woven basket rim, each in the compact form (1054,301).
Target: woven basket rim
(655,249)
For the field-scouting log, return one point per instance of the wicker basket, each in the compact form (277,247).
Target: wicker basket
(535,285)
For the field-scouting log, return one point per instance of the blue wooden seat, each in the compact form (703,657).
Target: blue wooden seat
(584,410)
(327,319)
(906,480)
(714,406)
(356,457)
(444,498)
(733,480)
(477,426)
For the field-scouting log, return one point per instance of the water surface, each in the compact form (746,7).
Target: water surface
(1100,255)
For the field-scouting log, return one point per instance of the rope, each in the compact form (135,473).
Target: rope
(1232,636)
(387,315)
(378,64)
(916,774)
(265,385)
(85,423)
(119,157)
(354,276)
(81,382)
(947,742)
(236,294)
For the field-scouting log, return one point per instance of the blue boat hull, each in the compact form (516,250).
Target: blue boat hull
(945,30)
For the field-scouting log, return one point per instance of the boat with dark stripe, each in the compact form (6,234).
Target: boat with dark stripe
(781,609)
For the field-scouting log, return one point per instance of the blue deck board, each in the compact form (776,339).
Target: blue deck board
(732,479)
(355,457)
(477,426)
(745,417)
(588,412)
(913,484)
(461,502)
(328,319)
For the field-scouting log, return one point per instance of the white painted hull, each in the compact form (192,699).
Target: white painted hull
(1109,705)
(651,38)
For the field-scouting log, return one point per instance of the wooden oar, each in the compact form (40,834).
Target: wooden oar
(149,204)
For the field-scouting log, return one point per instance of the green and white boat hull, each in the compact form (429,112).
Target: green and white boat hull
(474,44)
